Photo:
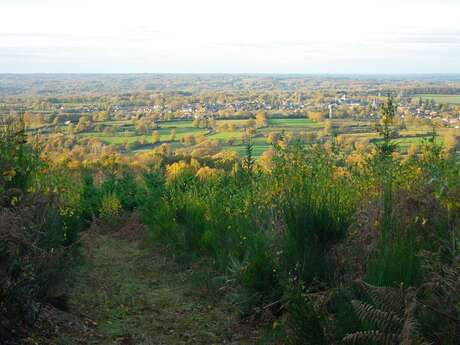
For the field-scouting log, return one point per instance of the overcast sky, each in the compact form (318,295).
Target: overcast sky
(250,36)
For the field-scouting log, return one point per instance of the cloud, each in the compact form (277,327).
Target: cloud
(162,36)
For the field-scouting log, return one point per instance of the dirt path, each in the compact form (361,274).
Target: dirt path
(127,294)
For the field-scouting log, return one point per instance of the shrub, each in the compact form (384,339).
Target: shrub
(110,209)
(39,221)
(316,207)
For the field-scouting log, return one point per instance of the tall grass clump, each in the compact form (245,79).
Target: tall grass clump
(316,199)
(395,259)
(414,216)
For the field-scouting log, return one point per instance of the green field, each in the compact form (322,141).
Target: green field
(241,149)
(226,135)
(441,99)
(176,124)
(116,122)
(294,123)
(232,122)
(344,127)
(185,127)
(131,137)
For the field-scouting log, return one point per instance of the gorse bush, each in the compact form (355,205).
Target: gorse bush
(124,187)
(110,209)
(316,203)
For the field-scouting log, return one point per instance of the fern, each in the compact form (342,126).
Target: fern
(385,321)
(392,316)
(371,337)
(386,299)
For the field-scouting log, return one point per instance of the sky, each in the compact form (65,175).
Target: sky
(230,36)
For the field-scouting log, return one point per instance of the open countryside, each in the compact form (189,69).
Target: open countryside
(201,172)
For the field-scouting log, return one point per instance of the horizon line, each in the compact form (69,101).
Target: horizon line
(230,73)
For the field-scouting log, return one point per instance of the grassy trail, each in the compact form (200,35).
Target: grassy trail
(128,294)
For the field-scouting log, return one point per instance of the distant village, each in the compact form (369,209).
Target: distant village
(341,106)
(244,97)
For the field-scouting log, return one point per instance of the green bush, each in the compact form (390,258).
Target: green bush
(39,222)
(110,209)
(317,208)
